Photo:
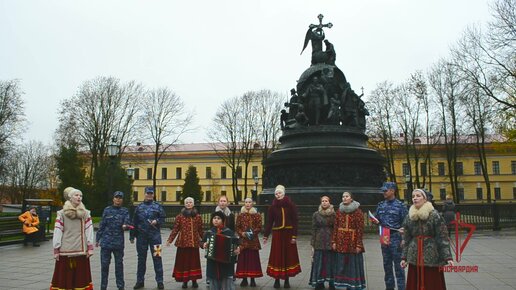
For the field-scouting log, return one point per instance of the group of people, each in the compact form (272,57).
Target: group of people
(416,239)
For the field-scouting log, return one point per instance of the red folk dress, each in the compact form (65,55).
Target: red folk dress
(282,222)
(188,230)
(248,264)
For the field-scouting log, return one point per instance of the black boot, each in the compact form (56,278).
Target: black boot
(253,283)
(287,284)
(138,285)
(244,282)
(194,284)
(185,285)
(276,284)
(331,286)
(319,286)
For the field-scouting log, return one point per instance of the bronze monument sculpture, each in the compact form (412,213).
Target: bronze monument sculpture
(323,147)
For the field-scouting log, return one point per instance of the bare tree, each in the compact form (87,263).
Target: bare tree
(381,124)
(12,116)
(268,106)
(165,120)
(447,87)
(247,134)
(103,109)
(27,171)
(224,137)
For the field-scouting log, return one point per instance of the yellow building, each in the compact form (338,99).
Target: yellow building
(501,164)
(214,175)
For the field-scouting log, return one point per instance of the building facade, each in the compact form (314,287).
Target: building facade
(471,186)
(214,175)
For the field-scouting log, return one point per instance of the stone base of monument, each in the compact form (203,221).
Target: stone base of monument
(324,160)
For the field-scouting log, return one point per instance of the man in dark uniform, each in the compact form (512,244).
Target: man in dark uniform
(147,220)
(390,213)
(110,237)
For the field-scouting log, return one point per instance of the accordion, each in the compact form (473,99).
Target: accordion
(220,248)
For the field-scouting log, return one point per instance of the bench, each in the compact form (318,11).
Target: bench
(10,226)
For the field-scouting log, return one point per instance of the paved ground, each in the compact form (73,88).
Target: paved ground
(494,254)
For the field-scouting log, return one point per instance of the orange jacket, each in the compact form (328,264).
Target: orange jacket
(30,222)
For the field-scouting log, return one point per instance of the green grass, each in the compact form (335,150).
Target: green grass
(9,214)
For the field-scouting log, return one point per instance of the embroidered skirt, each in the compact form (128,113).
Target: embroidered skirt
(350,271)
(283,258)
(188,265)
(432,279)
(72,273)
(323,267)
(249,264)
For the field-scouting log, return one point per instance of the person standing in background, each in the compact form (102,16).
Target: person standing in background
(30,222)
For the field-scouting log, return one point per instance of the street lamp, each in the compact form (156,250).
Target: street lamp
(255,193)
(408,182)
(113,149)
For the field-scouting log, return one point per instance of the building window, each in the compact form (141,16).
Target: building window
(239,172)
(178,173)
(514,193)
(255,171)
(513,167)
(459,169)
(149,173)
(208,172)
(498,193)
(136,173)
(223,172)
(442,193)
(223,192)
(406,169)
(480,193)
(135,195)
(178,195)
(496,167)
(406,194)
(163,195)
(478,168)
(440,168)
(164,173)
(423,169)
(208,195)
(460,191)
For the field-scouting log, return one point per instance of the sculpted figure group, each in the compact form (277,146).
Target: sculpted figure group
(417,239)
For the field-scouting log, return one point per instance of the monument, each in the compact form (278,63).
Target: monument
(323,148)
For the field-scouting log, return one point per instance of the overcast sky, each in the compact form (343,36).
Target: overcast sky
(208,51)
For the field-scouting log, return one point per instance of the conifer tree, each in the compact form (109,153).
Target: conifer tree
(191,188)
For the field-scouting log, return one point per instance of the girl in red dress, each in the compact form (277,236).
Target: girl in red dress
(248,226)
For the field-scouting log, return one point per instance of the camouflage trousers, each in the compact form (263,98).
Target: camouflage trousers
(392,257)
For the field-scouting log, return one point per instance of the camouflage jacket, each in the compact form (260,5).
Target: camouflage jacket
(110,234)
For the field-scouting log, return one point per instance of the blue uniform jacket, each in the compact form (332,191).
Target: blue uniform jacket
(144,213)
(110,234)
(391,213)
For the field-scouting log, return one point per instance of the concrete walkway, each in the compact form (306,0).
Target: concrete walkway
(494,254)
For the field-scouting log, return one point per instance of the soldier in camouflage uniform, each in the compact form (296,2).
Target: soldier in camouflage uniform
(147,220)
(110,237)
(390,213)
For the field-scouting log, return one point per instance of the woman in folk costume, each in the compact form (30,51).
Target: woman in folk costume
(347,242)
(73,244)
(248,226)
(30,222)
(188,230)
(222,205)
(426,244)
(323,256)
(282,222)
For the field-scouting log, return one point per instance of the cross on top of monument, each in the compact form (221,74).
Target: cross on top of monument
(320,25)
